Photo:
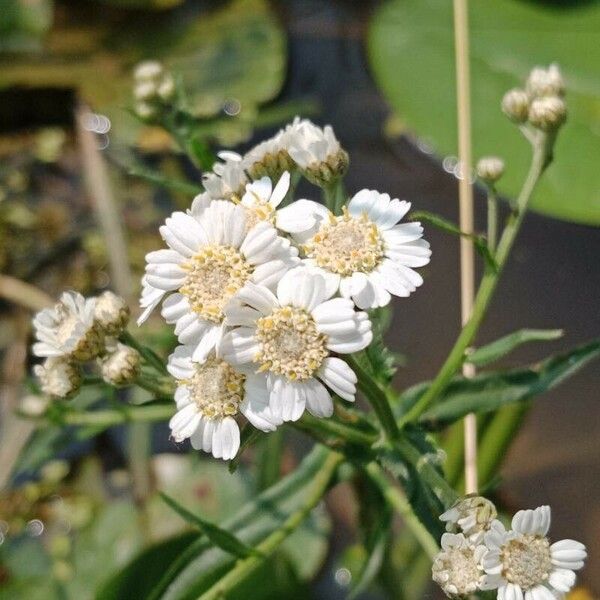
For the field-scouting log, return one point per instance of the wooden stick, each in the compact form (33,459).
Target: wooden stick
(465,194)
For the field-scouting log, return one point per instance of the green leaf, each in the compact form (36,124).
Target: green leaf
(161,180)
(23,24)
(410,38)
(382,362)
(479,241)
(219,537)
(489,391)
(505,345)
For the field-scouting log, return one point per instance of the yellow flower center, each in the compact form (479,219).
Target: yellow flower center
(259,211)
(215,274)
(290,344)
(346,244)
(526,561)
(216,388)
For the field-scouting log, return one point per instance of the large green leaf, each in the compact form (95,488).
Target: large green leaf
(411,49)
(489,391)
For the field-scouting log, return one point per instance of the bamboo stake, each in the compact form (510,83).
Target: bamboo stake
(465,193)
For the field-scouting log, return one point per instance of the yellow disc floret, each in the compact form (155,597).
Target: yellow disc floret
(214,275)
(290,344)
(346,244)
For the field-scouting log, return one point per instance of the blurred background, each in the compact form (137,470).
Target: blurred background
(381,73)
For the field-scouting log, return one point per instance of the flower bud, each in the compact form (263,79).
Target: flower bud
(144,110)
(33,405)
(547,113)
(515,105)
(490,169)
(472,515)
(545,82)
(166,88)
(58,377)
(148,70)
(111,313)
(145,91)
(329,170)
(121,366)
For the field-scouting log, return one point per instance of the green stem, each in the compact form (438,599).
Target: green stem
(335,428)
(377,397)
(397,499)
(492,219)
(244,567)
(164,390)
(540,160)
(147,354)
(269,460)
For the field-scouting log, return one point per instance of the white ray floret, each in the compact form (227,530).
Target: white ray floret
(227,178)
(261,199)
(209,397)
(68,329)
(291,337)
(210,257)
(364,252)
(524,565)
(457,569)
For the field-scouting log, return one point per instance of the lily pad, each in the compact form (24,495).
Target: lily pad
(411,50)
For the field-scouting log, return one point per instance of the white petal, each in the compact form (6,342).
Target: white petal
(302,216)
(318,400)
(302,289)
(184,422)
(226,439)
(281,189)
(361,202)
(562,580)
(239,346)
(513,592)
(394,212)
(568,554)
(270,273)
(339,377)
(180,363)
(183,233)
(258,244)
(287,399)
(402,234)
(174,308)
(207,343)
(256,296)
(256,407)
(353,285)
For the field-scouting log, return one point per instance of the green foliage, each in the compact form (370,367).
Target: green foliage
(505,345)
(487,392)
(219,537)
(408,38)
(23,23)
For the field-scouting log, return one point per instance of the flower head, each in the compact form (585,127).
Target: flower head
(548,112)
(121,365)
(211,256)
(545,82)
(457,569)
(271,157)
(209,397)
(473,515)
(111,313)
(227,178)
(152,86)
(261,200)
(316,151)
(58,377)
(490,169)
(68,329)
(515,105)
(523,563)
(291,336)
(364,252)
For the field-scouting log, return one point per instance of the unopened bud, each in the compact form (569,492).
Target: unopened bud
(166,88)
(328,171)
(515,105)
(490,168)
(149,70)
(144,110)
(547,113)
(122,366)
(545,82)
(58,377)
(111,313)
(472,515)
(145,91)
(33,405)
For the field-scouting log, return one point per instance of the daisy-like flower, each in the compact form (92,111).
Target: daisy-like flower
(209,396)
(364,252)
(291,337)
(317,152)
(457,569)
(68,329)
(523,564)
(473,515)
(261,200)
(227,178)
(58,377)
(210,257)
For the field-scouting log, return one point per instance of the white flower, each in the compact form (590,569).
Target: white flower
(210,257)
(271,157)
(291,336)
(111,313)
(545,82)
(121,366)
(316,151)
(364,252)
(473,515)
(68,329)
(228,178)
(209,396)
(261,200)
(523,564)
(457,569)
(148,70)
(58,377)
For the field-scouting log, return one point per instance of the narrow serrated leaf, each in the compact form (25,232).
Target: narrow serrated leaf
(505,345)
(219,537)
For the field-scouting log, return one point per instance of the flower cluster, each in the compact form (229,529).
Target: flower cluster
(541,103)
(266,297)
(153,87)
(77,330)
(520,563)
